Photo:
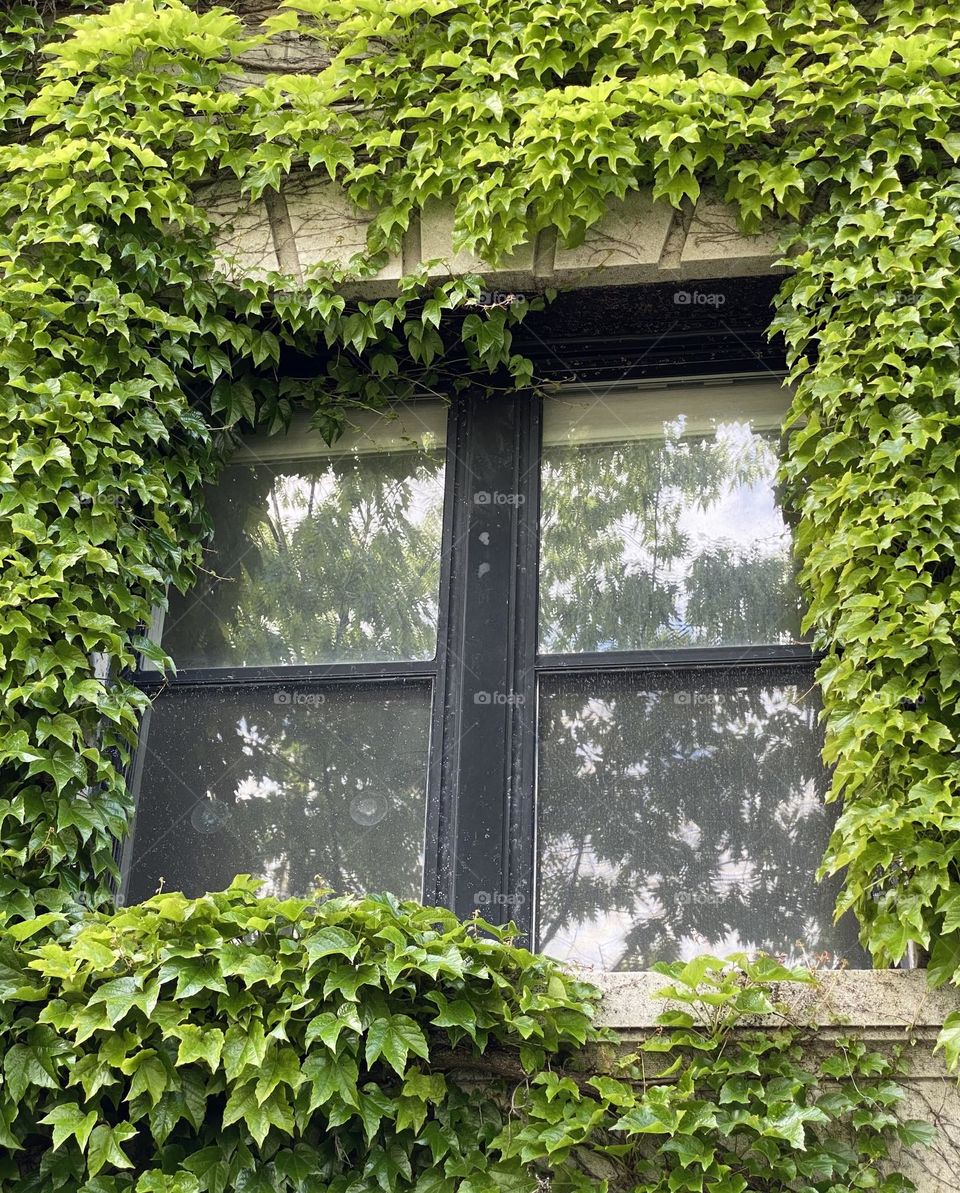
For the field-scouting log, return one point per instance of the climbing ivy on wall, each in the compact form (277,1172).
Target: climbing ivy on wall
(242,1043)
(129,362)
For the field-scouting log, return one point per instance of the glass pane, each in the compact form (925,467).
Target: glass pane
(659,523)
(682,813)
(286,785)
(321,555)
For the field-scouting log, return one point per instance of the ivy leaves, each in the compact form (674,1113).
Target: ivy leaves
(395,1038)
(221,1062)
(873,470)
(237,1043)
(128,377)
(168,1065)
(127,364)
(535,118)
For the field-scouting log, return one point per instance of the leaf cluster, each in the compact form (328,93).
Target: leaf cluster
(338,1045)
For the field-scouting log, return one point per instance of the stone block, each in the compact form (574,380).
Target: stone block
(514,274)
(623,248)
(716,248)
(867,999)
(327,228)
(244,238)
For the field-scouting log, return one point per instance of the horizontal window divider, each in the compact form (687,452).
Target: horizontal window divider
(278,677)
(679,659)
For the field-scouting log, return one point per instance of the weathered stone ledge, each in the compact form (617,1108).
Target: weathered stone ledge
(311,222)
(859,998)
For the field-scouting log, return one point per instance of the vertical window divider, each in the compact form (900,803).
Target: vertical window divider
(489,654)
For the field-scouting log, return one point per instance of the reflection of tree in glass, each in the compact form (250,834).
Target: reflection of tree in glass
(319,561)
(235,782)
(665,542)
(674,820)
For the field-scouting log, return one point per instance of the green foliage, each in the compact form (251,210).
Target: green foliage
(243,1042)
(744,1099)
(874,473)
(128,363)
(238,1042)
(126,367)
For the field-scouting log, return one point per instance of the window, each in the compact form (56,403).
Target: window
(295,741)
(540,658)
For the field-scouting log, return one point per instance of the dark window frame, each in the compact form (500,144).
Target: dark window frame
(480,831)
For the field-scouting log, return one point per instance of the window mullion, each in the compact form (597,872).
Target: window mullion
(488,672)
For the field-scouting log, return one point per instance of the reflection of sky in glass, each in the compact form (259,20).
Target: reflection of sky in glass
(692,518)
(294,498)
(602,940)
(744,518)
(317,560)
(669,826)
(237,782)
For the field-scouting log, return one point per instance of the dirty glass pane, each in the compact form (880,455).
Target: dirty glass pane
(296,786)
(321,555)
(682,813)
(660,525)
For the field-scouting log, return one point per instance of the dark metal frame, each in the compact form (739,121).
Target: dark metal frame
(480,827)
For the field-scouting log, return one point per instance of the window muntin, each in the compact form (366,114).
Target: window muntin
(322,554)
(659,521)
(682,812)
(301,786)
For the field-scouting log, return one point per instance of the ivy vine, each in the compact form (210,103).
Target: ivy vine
(236,1042)
(129,364)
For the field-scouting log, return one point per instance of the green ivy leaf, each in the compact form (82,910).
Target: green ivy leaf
(200,1043)
(394,1038)
(104,1148)
(70,1122)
